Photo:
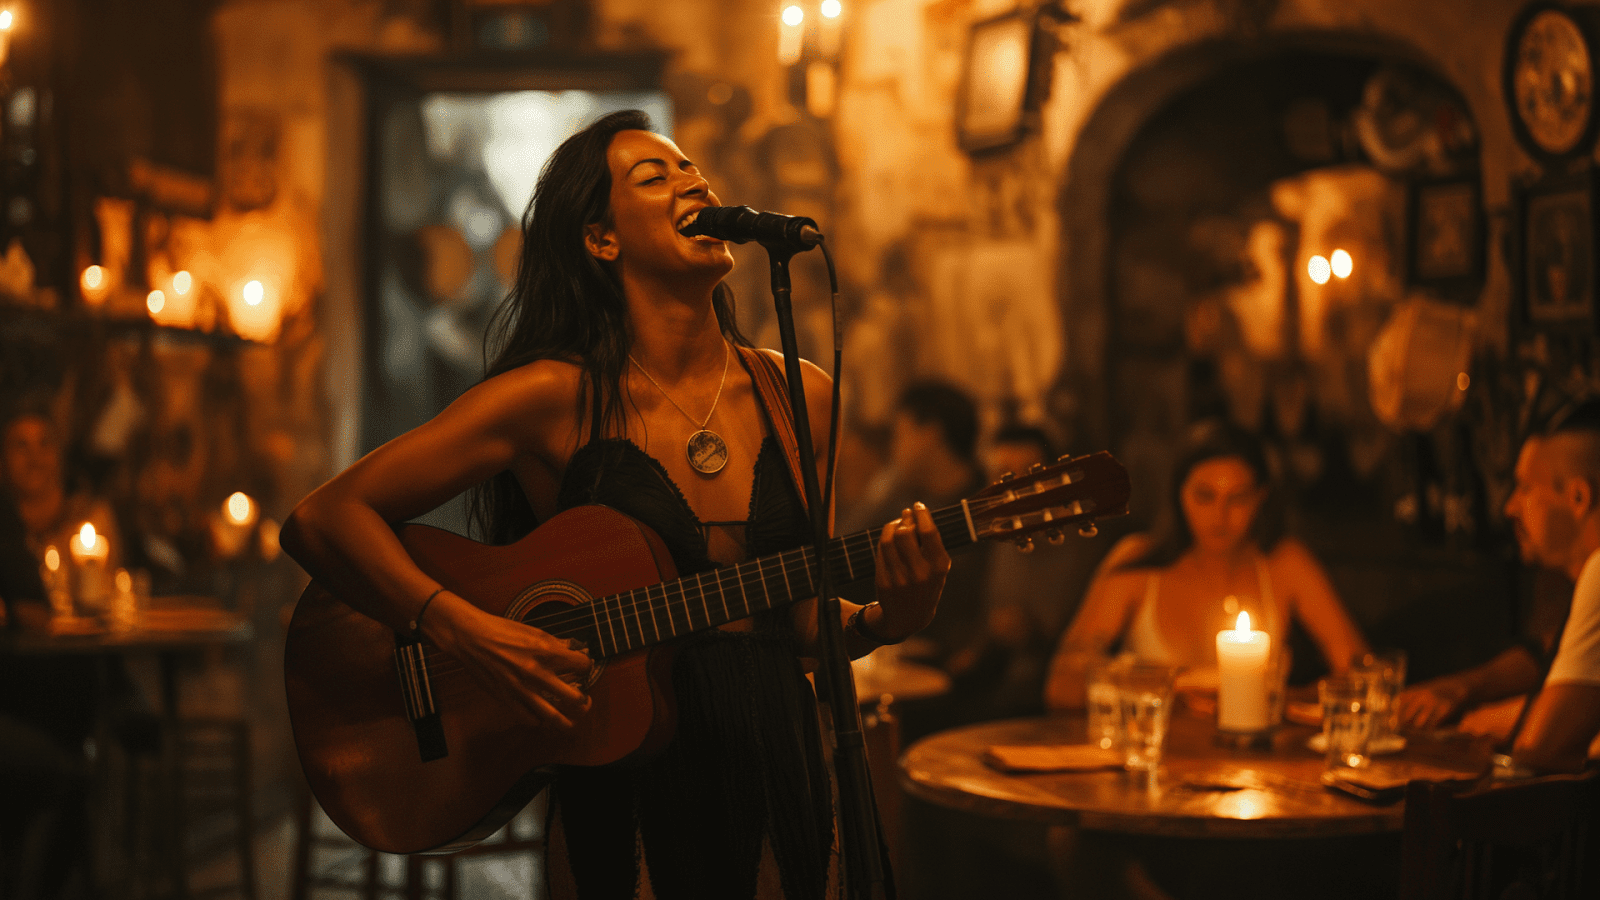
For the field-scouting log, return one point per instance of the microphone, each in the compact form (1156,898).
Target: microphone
(741,223)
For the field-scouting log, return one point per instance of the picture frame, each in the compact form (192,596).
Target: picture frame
(1445,236)
(999,88)
(1556,252)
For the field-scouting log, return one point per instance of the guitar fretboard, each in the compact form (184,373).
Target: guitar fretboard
(646,616)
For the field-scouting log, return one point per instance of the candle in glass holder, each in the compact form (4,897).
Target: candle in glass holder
(1242,657)
(89,554)
(54,576)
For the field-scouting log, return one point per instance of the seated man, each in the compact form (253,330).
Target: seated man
(1555,508)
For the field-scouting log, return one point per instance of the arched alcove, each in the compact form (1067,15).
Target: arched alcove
(1170,176)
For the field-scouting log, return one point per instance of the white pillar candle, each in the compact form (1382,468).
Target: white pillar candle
(89,553)
(1242,657)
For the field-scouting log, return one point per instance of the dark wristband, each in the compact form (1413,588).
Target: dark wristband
(416,621)
(858,624)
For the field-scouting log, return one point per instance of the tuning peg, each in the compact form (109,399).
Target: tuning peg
(1025,545)
(1036,467)
(1089,530)
(1007,476)
(1055,536)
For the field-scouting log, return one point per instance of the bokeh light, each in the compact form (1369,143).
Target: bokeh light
(831,9)
(156,302)
(253,292)
(793,15)
(1319,269)
(1342,264)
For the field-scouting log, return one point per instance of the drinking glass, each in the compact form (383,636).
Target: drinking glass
(1386,674)
(1105,713)
(1347,719)
(1144,693)
(1278,683)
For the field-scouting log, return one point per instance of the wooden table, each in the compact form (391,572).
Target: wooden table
(179,627)
(1285,798)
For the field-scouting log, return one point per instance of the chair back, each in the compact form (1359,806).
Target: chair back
(1532,839)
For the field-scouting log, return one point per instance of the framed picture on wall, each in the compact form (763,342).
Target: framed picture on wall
(1556,252)
(997,91)
(1445,236)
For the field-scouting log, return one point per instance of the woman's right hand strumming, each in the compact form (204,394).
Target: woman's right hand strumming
(533,672)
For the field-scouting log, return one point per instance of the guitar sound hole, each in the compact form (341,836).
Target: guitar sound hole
(557,618)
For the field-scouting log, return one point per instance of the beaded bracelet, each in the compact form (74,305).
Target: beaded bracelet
(416,623)
(858,624)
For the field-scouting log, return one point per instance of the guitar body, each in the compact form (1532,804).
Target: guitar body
(466,764)
(359,749)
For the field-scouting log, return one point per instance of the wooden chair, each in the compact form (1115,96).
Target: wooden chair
(1517,840)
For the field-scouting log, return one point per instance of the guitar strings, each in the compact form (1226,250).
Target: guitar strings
(625,609)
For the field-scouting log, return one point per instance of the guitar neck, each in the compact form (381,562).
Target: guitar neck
(647,616)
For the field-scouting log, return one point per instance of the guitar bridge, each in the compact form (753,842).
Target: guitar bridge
(412,663)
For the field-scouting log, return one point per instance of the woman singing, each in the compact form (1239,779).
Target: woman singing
(621,380)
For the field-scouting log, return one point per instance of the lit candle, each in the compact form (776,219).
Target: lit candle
(231,531)
(89,553)
(1242,657)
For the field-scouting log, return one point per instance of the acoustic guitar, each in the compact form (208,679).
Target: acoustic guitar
(408,753)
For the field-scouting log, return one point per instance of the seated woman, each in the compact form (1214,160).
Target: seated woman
(1221,551)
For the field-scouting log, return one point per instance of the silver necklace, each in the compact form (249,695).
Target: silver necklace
(706,450)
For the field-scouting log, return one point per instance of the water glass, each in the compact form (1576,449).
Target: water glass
(1347,719)
(1145,696)
(1386,675)
(1105,713)
(1278,667)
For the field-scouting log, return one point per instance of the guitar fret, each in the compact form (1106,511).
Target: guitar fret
(724,595)
(688,611)
(761,579)
(744,596)
(783,566)
(594,612)
(652,607)
(701,587)
(638,620)
(672,627)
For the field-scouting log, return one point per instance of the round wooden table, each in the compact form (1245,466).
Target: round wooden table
(1201,790)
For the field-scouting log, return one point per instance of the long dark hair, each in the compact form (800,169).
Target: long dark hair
(566,305)
(1207,440)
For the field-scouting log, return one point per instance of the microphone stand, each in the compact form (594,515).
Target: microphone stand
(859,839)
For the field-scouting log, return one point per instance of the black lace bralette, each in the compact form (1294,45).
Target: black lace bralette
(615,472)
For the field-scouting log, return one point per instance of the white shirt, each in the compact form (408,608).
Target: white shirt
(1578,657)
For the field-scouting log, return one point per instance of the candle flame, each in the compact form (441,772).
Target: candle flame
(86,535)
(5,20)
(52,558)
(238,506)
(1243,623)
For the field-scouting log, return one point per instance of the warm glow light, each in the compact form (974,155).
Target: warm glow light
(831,9)
(793,15)
(253,292)
(86,534)
(238,506)
(1243,622)
(93,278)
(1342,264)
(1319,269)
(52,558)
(181,282)
(1462,381)
(5,20)
(156,302)
(124,581)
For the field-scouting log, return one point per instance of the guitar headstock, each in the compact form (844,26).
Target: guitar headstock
(1071,492)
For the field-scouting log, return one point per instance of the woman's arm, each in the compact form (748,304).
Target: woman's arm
(1313,601)
(1099,621)
(343,533)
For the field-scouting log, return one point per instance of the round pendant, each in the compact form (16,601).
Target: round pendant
(707,453)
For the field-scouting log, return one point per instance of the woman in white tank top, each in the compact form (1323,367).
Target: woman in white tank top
(1221,550)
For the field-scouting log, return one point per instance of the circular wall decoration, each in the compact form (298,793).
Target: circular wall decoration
(1549,81)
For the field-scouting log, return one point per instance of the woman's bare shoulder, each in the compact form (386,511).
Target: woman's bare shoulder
(541,387)
(1292,557)
(1130,548)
